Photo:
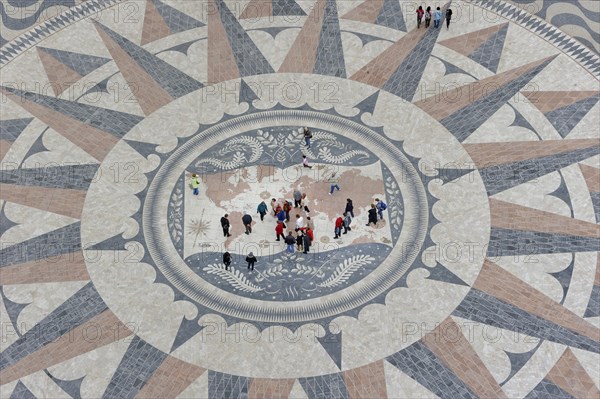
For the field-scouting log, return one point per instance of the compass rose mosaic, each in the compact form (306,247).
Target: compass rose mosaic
(480,279)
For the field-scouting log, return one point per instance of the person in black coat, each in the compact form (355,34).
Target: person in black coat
(247,220)
(349,207)
(372,215)
(227,260)
(225,225)
(306,243)
(251,259)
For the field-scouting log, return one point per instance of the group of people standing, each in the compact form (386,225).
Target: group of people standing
(304,229)
(426,15)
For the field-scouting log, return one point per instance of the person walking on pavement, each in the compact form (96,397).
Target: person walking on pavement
(306,242)
(262,210)
(448,17)
(300,240)
(227,260)
(304,203)
(381,206)
(195,184)
(247,220)
(372,215)
(225,225)
(281,215)
(347,222)
(274,206)
(290,241)
(339,222)
(287,207)
(427,17)
(419,16)
(279,231)
(333,183)
(251,259)
(299,222)
(297,198)
(437,16)
(305,162)
(349,207)
(307,136)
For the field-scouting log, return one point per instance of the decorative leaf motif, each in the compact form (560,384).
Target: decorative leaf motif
(346,269)
(274,271)
(175,216)
(234,277)
(325,153)
(308,270)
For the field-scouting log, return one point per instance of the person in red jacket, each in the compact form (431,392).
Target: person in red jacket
(420,13)
(339,222)
(279,231)
(310,233)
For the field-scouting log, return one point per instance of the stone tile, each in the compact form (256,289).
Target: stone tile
(222,64)
(149,93)
(60,76)
(82,64)
(548,101)
(566,118)
(155,27)
(367,382)
(324,387)
(330,53)
(10,129)
(380,69)
(137,367)
(176,20)
(171,378)
(466,44)
(495,281)
(250,61)
(262,388)
(69,267)
(512,216)
(471,93)
(65,202)
(71,177)
(593,307)
(508,242)
(301,57)
(391,16)
(591,176)
(257,9)
(547,390)
(449,344)
(222,386)
(502,177)
(489,310)
(489,53)
(569,375)
(21,392)
(4,148)
(421,364)
(486,155)
(54,243)
(368,11)
(168,77)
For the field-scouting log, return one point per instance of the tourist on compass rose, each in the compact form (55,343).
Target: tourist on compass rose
(262,210)
(279,231)
(195,183)
(419,16)
(290,241)
(297,198)
(225,225)
(227,259)
(372,215)
(307,136)
(251,259)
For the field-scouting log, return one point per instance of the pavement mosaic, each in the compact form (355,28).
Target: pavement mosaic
(482,279)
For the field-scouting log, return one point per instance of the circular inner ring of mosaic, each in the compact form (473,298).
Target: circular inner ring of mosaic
(284,289)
